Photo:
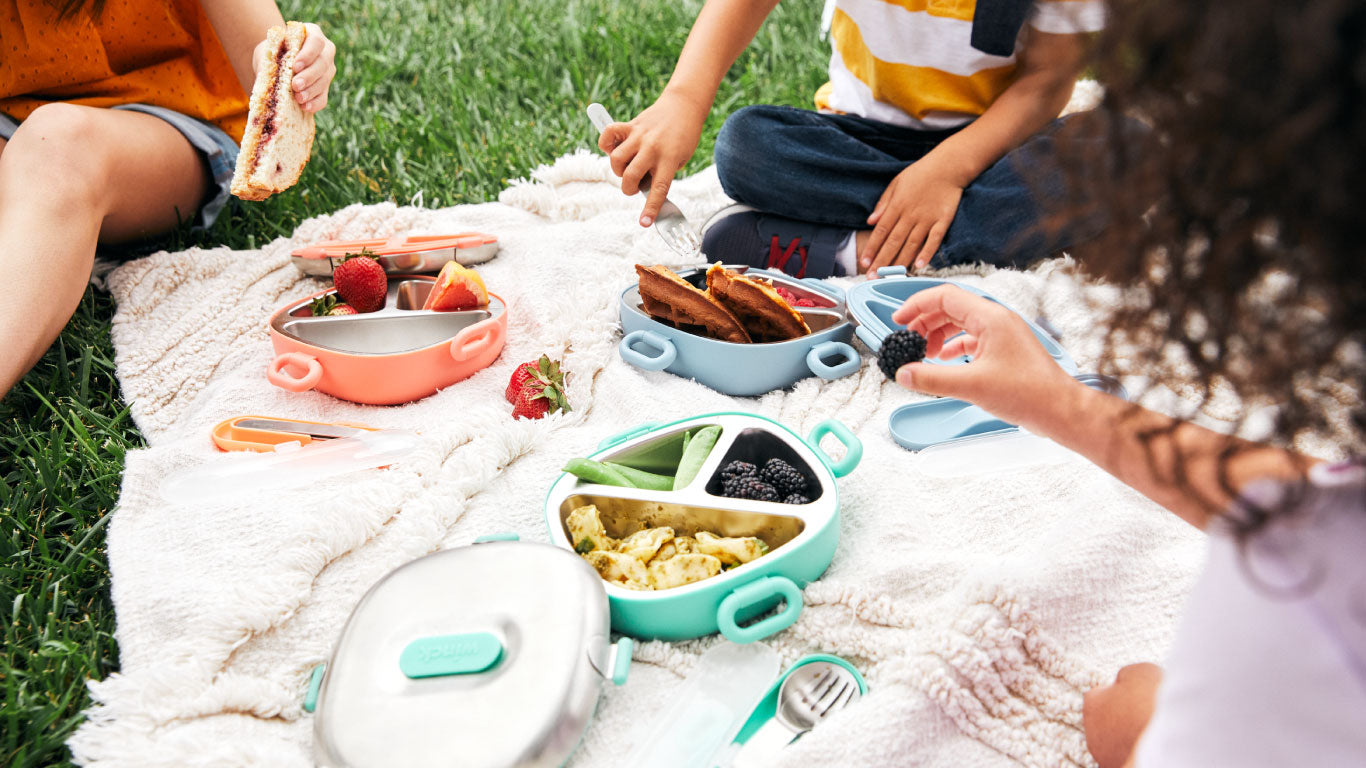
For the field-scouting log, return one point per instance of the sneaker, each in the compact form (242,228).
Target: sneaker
(739,234)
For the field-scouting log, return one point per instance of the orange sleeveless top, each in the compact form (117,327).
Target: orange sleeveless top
(159,52)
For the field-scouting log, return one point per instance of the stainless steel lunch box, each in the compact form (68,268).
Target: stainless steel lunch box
(486,656)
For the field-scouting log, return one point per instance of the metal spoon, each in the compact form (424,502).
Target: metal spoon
(810,694)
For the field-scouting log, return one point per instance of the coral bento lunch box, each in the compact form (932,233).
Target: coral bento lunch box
(399,353)
(744,369)
(801,538)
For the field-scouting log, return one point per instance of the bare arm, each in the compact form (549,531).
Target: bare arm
(1048,68)
(915,212)
(660,139)
(1177,464)
(241,27)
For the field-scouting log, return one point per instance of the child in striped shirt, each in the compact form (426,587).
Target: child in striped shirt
(915,154)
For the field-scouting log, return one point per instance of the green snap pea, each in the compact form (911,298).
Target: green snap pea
(695,454)
(641,479)
(596,472)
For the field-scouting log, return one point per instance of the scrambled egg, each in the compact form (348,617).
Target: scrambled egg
(654,558)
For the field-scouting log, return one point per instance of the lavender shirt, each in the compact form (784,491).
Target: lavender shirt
(1268,667)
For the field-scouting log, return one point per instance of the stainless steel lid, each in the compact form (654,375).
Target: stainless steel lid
(487,655)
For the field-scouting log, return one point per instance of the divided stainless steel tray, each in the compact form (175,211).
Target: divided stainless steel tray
(401,326)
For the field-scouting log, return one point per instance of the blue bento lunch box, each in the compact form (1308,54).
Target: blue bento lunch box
(744,369)
(801,537)
(942,421)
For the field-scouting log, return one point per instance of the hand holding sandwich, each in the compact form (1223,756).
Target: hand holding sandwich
(314,67)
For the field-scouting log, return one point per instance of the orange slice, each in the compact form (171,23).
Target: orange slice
(457,288)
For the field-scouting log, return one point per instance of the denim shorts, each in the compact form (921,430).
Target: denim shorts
(216,147)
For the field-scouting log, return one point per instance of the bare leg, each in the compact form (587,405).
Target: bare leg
(70,177)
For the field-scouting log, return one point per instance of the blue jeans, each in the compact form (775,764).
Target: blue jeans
(831,169)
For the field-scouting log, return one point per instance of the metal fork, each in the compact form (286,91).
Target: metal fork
(811,693)
(678,233)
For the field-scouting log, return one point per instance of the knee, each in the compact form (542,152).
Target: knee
(57,146)
(740,147)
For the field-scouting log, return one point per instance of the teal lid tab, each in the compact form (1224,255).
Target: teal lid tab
(442,655)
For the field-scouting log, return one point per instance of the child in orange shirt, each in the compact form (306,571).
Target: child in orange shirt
(118,120)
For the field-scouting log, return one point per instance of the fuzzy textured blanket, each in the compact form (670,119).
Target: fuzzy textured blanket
(979,608)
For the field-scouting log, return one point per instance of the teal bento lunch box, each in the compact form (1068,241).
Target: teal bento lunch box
(801,538)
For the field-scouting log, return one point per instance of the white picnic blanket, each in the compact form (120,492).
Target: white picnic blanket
(979,608)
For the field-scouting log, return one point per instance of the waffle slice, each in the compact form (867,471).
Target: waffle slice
(279,135)
(673,300)
(761,310)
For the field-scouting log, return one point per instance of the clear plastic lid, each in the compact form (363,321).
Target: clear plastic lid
(290,465)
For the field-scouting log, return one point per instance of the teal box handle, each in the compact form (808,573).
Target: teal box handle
(854,446)
(621,661)
(667,351)
(625,435)
(848,365)
(756,592)
(488,537)
(314,684)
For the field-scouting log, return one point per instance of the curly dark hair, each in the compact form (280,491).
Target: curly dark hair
(1237,220)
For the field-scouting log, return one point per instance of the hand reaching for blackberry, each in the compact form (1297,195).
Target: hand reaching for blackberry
(1011,375)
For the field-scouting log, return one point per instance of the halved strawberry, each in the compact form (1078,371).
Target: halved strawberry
(457,288)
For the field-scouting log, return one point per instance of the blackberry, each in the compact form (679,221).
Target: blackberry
(898,349)
(753,488)
(737,469)
(796,498)
(784,477)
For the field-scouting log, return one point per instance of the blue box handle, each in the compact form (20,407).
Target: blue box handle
(869,336)
(891,271)
(854,446)
(756,592)
(667,351)
(625,435)
(848,365)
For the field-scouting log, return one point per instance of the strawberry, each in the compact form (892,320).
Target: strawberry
(803,303)
(342,309)
(536,389)
(519,377)
(323,305)
(361,281)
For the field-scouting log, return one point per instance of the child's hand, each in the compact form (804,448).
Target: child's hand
(1011,375)
(314,68)
(911,218)
(658,142)
(1114,716)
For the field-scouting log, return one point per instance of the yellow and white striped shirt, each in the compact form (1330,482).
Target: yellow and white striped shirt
(911,62)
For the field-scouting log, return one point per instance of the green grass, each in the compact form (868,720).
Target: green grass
(441,102)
